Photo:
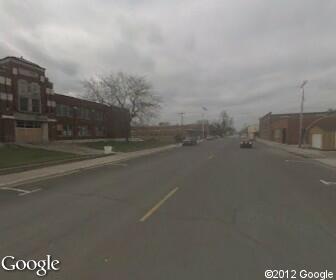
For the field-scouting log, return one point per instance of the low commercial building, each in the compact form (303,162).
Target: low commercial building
(285,128)
(252,131)
(167,131)
(31,112)
(322,134)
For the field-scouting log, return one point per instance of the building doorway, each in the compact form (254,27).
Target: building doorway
(30,132)
(284,135)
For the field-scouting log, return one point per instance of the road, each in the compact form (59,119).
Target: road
(211,211)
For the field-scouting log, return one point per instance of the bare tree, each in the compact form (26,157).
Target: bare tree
(126,91)
(226,122)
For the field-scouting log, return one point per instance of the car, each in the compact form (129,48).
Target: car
(210,137)
(189,141)
(246,143)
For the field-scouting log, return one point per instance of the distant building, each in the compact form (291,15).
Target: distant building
(284,128)
(31,112)
(169,131)
(252,131)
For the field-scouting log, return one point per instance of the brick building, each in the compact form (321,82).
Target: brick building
(169,131)
(31,112)
(284,128)
(78,118)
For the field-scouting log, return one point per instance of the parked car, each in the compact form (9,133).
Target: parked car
(245,142)
(210,137)
(189,141)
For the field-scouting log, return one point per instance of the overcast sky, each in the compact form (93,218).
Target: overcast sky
(247,57)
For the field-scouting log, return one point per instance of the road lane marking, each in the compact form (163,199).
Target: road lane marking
(327,183)
(30,192)
(158,205)
(20,191)
(297,161)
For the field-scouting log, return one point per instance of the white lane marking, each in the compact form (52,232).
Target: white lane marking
(32,191)
(327,183)
(158,205)
(20,191)
(298,161)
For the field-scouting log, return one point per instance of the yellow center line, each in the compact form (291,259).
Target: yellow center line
(158,205)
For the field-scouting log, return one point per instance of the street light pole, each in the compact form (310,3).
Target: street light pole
(203,121)
(301,113)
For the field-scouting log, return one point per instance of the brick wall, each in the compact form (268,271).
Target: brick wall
(114,121)
(284,128)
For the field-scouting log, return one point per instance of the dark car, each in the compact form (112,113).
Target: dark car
(189,141)
(246,142)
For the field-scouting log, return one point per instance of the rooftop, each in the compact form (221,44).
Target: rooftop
(295,114)
(328,124)
(22,60)
(84,102)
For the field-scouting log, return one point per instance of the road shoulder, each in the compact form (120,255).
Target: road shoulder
(319,156)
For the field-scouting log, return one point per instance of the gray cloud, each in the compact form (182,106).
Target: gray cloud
(247,57)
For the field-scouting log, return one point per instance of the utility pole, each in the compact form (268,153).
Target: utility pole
(181,114)
(301,113)
(203,121)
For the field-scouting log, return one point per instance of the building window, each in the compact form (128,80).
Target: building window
(58,110)
(5,81)
(83,130)
(6,96)
(84,113)
(67,130)
(28,124)
(99,116)
(35,105)
(8,82)
(62,110)
(29,96)
(23,87)
(24,104)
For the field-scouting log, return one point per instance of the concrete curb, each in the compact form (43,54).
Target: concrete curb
(36,175)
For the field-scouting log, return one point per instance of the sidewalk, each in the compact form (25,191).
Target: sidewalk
(35,175)
(325,157)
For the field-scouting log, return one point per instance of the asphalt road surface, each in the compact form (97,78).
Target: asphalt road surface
(212,211)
